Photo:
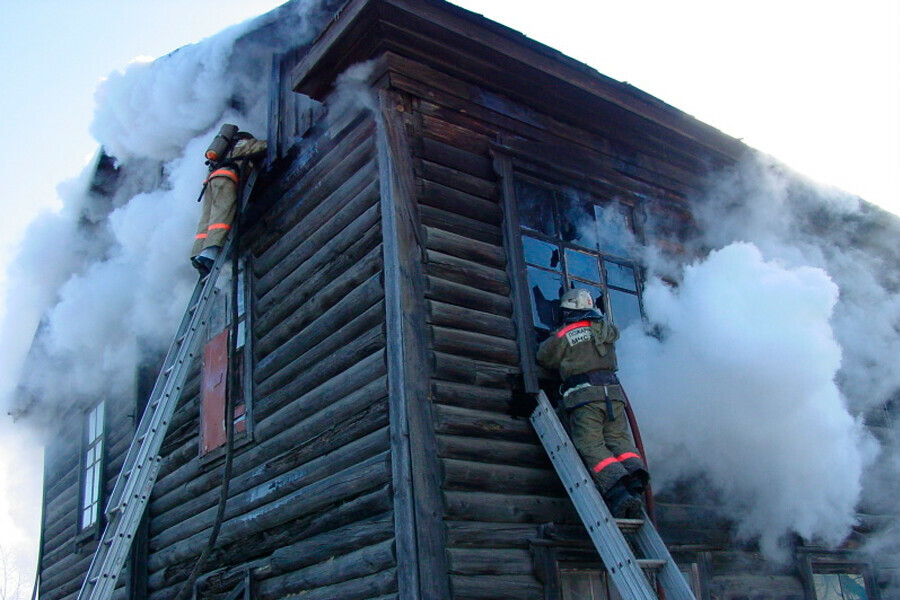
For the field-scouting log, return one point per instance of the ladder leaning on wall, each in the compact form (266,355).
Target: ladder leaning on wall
(625,570)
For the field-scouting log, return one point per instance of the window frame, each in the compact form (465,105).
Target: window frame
(91,530)
(218,322)
(815,561)
(509,168)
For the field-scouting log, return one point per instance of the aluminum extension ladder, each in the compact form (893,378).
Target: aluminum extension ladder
(624,569)
(135,481)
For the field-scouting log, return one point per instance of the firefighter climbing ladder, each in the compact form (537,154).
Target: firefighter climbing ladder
(131,492)
(624,569)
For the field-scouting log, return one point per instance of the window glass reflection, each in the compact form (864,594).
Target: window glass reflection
(584,266)
(626,308)
(545,287)
(541,253)
(535,207)
(620,276)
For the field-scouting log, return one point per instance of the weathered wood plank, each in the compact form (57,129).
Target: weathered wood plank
(451,420)
(318,303)
(468,272)
(354,589)
(458,180)
(505,508)
(452,157)
(497,587)
(474,534)
(475,345)
(494,451)
(467,296)
(471,476)
(457,317)
(459,202)
(490,561)
(450,221)
(471,396)
(462,246)
(465,370)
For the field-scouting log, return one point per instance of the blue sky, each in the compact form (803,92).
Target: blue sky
(814,83)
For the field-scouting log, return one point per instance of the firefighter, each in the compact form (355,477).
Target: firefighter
(232,160)
(582,350)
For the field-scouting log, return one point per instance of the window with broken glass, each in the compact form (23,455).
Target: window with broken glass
(92,468)
(574,239)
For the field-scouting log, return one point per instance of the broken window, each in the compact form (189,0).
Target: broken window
(836,575)
(92,467)
(840,586)
(573,239)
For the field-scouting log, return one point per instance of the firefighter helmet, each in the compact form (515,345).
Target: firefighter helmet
(576,299)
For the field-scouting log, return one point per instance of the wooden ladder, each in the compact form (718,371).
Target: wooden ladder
(625,570)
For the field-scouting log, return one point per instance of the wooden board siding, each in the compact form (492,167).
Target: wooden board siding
(310,505)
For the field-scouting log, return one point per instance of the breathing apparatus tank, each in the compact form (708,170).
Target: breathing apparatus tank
(221,143)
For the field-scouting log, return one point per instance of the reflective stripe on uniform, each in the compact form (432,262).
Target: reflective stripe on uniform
(219,226)
(569,328)
(224,173)
(201,236)
(614,459)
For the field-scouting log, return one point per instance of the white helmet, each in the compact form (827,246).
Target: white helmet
(576,300)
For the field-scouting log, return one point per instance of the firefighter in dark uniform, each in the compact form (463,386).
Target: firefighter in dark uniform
(582,350)
(221,192)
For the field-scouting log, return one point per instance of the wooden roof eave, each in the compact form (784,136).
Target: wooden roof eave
(519,66)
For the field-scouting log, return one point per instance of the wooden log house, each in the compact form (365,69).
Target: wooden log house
(399,255)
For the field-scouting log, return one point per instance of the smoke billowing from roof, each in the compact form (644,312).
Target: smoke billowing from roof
(109,274)
(768,352)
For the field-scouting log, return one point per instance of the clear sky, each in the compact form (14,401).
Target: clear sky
(815,83)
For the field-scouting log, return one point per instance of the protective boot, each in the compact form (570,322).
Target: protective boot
(622,504)
(636,483)
(203,262)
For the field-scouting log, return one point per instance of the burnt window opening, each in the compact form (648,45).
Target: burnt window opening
(836,575)
(92,467)
(215,369)
(574,239)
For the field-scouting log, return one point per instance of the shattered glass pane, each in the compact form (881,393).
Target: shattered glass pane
(583,266)
(535,207)
(578,221)
(541,253)
(616,236)
(625,308)
(620,276)
(545,289)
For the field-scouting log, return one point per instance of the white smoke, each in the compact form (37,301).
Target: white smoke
(767,352)
(110,277)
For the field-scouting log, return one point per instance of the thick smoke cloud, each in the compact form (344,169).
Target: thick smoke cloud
(768,353)
(114,282)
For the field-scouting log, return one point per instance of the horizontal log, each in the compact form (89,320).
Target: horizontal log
(255,548)
(471,396)
(331,324)
(448,155)
(493,451)
(199,513)
(364,476)
(490,561)
(314,253)
(471,476)
(465,370)
(498,587)
(507,508)
(362,588)
(454,135)
(331,366)
(310,179)
(66,582)
(474,534)
(360,385)
(455,223)
(315,305)
(477,346)
(466,319)
(451,420)
(459,202)
(459,180)
(459,270)
(467,296)
(462,246)
(311,235)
